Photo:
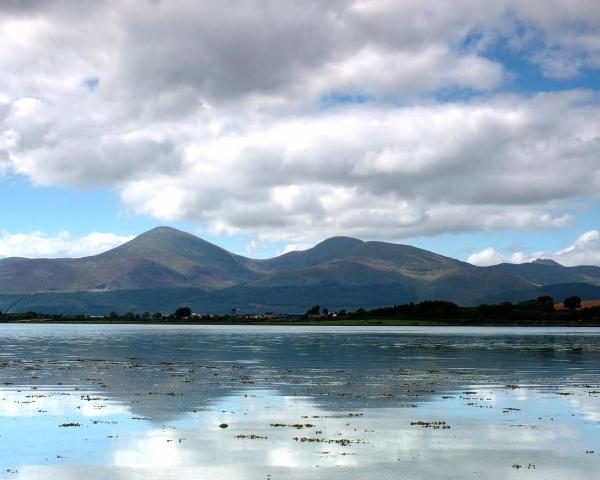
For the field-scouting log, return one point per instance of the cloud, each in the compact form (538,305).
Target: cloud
(584,251)
(570,41)
(292,121)
(293,247)
(490,256)
(40,245)
(388,173)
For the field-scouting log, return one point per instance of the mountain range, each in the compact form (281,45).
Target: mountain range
(165,268)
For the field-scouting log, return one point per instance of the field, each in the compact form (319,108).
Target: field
(584,304)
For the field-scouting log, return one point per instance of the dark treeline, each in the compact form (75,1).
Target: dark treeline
(539,311)
(181,315)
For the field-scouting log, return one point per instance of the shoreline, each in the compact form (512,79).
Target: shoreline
(314,323)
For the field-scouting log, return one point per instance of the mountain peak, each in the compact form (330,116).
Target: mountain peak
(163,231)
(333,247)
(167,239)
(546,261)
(339,242)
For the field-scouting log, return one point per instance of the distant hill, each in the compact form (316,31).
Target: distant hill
(547,272)
(165,268)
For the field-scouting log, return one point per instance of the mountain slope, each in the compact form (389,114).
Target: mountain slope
(191,261)
(349,262)
(165,267)
(161,258)
(381,256)
(547,272)
(558,291)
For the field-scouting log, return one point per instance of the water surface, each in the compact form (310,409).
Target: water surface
(138,402)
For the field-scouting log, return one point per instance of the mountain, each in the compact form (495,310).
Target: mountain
(161,258)
(547,272)
(165,268)
(378,256)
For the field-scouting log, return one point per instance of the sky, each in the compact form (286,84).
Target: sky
(468,128)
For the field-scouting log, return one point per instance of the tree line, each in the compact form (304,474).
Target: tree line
(535,311)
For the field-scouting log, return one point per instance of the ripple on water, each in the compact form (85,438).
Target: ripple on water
(146,402)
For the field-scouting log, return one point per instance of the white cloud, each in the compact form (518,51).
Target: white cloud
(226,114)
(490,256)
(387,173)
(40,245)
(293,247)
(584,251)
(289,248)
(253,247)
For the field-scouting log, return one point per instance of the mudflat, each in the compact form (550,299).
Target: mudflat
(203,402)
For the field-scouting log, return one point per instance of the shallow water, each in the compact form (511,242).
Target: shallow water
(299,402)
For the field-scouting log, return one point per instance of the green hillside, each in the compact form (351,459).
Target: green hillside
(164,268)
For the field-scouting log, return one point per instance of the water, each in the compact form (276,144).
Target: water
(139,402)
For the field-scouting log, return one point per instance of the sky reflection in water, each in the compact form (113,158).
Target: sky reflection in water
(298,402)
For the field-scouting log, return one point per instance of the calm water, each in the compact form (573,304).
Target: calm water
(133,402)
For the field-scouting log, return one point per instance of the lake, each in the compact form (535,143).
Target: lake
(172,402)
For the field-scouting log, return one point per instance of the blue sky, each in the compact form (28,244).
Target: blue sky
(475,134)
(54,209)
